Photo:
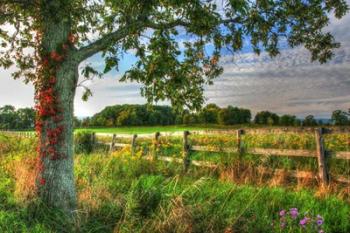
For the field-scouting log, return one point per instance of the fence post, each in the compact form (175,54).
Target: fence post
(321,158)
(111,149)
(186,151)
(156,145)
(133,144)
(239,142)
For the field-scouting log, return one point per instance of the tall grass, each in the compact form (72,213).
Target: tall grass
(120,193)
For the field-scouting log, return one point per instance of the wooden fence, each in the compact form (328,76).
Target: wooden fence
(320,153)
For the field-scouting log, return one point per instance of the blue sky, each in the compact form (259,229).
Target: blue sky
(289,83)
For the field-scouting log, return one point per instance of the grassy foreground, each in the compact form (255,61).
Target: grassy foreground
(117,193)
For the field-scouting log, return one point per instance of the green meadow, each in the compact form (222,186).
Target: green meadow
(120,193)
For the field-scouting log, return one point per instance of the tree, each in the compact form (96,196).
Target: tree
(22,118)
(233,115)
(26,118)
(266,118)
(209,114)
(287,120)
(309,121)
(8,117)
(64,33)
(340,118)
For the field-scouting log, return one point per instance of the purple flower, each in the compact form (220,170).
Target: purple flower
(304,221)
(319,220)
(294,213)
(321,231)
(282,213)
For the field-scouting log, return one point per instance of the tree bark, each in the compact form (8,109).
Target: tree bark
(55,182)
(58,188)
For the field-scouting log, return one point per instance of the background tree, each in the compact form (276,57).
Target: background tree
(309,121)
(209,114)
(7,117)
(266,118)
(233,115)
(26,118)
(20,119)
(287,120)
(64,33)
(340,117)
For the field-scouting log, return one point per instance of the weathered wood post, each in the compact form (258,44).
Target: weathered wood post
(133,144)
(186,151)
(239,142)
(156,145)
(111,149)
(321,157)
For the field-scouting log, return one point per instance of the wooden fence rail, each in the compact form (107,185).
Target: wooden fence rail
(319,153)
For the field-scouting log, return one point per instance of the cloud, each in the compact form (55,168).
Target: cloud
(289,83)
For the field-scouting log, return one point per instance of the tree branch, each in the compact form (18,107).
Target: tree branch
(135,27)
(104,42)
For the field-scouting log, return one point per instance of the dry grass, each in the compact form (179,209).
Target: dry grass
(179,219)
(24,172)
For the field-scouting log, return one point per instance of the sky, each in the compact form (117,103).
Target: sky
(287,84)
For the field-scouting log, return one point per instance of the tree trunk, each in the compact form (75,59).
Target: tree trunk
(56,184)
(55,92)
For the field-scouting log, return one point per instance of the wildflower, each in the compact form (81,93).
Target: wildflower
(294,213)
(304,221)
(282,213)
(321,231)
(319,221)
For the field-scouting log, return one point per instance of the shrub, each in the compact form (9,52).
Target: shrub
(83,142)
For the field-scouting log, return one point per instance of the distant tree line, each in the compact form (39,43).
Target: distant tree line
(131,115)
(143,115)
(11,118)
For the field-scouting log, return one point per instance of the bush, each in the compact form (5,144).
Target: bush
(83,142)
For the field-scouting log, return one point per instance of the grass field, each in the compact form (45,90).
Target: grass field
(143,129)
(118,193)
(153,129)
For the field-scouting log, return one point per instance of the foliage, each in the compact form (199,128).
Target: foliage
(309,121)
(288,120)
(83,142)
(340,117)
(129,115)
(233,115)
(168,69)
(266,118)
(22,118)
(209,114)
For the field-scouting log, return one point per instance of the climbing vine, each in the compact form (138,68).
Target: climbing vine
(49,125)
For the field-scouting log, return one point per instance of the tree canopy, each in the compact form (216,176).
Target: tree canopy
(169,38)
